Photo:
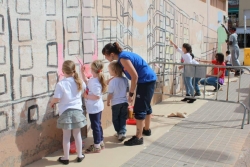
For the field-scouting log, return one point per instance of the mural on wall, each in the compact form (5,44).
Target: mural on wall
(37,36)
(167,21)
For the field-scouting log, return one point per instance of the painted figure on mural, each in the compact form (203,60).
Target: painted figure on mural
(142,78)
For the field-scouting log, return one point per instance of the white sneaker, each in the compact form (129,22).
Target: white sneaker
(121,137)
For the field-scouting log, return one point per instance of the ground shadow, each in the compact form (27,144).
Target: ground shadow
(171,102)
(190,153)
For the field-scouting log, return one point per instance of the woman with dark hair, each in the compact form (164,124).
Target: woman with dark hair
(217,78)
(143,80)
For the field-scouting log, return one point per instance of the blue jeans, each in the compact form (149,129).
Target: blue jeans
(227,70)
(96,126)
(210,81)
(119,117)
(189,86)
(196,86)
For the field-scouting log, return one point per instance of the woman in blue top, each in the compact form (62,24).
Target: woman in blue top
(143,80)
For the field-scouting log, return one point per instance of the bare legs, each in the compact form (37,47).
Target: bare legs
(147,122)
(140,124)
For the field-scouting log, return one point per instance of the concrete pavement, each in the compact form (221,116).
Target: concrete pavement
(210,136)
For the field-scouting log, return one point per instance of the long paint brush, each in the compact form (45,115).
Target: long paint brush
(79,61)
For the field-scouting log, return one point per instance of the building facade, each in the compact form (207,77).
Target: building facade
(37,36)
(244,10)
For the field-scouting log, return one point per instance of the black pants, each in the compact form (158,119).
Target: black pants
(144,94)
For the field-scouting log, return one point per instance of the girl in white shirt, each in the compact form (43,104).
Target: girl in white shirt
(96,86)
(186,58)
(68,93)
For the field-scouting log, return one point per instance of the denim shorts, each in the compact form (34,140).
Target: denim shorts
(144,94)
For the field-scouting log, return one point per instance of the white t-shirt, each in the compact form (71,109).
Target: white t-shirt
(118,86)
(94,87)
(185,58)
(229,59)
(195,62)
(70,97)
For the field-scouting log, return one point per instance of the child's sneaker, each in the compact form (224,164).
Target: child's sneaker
(121,137)
(102,145)
(92,149)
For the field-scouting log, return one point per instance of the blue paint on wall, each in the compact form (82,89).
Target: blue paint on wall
(220,17)
(139,18)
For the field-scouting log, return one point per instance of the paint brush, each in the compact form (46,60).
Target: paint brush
(79,61)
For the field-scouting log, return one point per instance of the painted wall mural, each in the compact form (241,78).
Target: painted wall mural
(37,36)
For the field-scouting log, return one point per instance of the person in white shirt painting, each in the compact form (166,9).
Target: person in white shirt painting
(68,93)
(187,59)
(96,86)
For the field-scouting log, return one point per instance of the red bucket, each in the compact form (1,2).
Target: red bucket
(72,149)
(131,120)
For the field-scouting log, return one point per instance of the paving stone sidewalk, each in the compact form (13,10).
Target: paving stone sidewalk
(211,136)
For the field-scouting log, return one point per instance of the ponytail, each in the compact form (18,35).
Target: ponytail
(112,48)
(97,67)
(78,81)
(102,81)
(192,55)
(69,68)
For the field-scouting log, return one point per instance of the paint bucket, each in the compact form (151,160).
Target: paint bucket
(72,149)
(131,119)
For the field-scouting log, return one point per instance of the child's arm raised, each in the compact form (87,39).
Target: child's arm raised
(172,43)
(176,47)
(85,79)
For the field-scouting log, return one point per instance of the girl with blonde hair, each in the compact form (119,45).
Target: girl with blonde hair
(68,93)
(96,86)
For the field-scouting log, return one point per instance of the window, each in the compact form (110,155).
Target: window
(247,14)
(220,4)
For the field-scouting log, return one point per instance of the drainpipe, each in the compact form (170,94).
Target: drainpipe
(208,6)
(245,29)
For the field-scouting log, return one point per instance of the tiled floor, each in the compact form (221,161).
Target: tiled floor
(212,136)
